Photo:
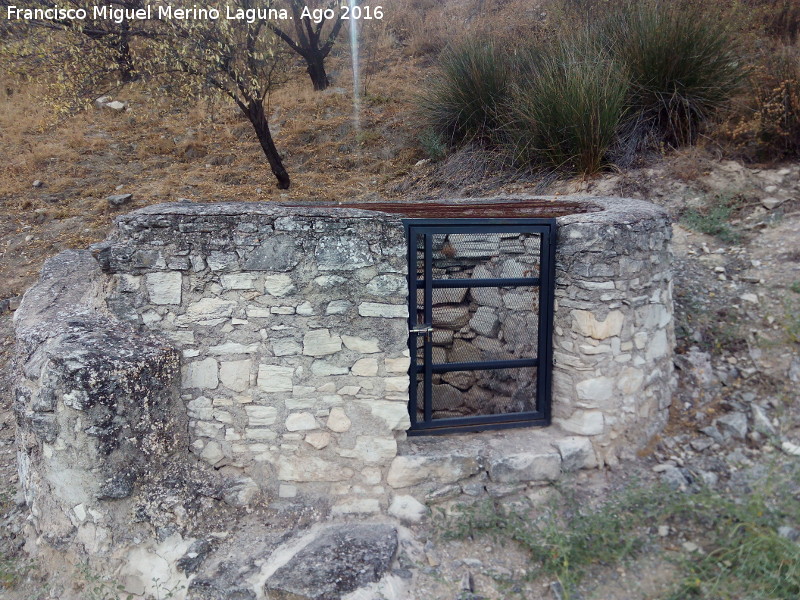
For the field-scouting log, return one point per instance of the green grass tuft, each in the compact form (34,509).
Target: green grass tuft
(714,219)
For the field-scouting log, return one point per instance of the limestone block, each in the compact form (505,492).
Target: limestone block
(318,439)
(207,309)
(583,422)
(311,468)
(200,408)
(630,380)
(397,365)
(484,321)
(375,309)
(525,466)
(278,253)
(396,384)
(338,307)
(278,285)
(274,378)
(406,471)
(219,261)
(320,342)
(306,309)
(585,323)
(408,509)
(261,416)
(387,285)
(393,414)
(327,281)
(237,281)
(658,345)
(233,348)
(595,390)
(235,375)
(286,347)
(365,367)
(323,368)
(257,312)
(371,449)
(212,453)
(576,453)
(164,288)
(338,420)
(342,253)
(360,345)
(200,374)
(303,421)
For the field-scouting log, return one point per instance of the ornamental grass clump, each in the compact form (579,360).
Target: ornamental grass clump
(467,96)
(567,109)
(682,62)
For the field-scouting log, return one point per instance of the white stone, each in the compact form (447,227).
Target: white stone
(410,470)
(301,422)
(80,512)
(261,416)
(237,281)
(338,307)
(278,285)
(394,414)
(233,348)
(374,309)
(320,342)
(323,368)
(259,433)
(201,374)
(397,365)
(338,420)
(282,310)
(200,408)
(207,309)
(585,323)
(257,312)
(365,367)
(630,380)
(525,466)
(212,453)
(329,280)
(360,345)
(371,449)
(209,429)
(371,475)
(318,439)
(164,288)
(274,378)
(285,347)
(583,422)
(407,509)
(597,389)
(396,384)
(658,345)
(311,468)
(235,375)
(306,309)
(576,453)
(360,506)
(349,390)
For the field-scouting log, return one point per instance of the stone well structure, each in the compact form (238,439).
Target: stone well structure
(261,351)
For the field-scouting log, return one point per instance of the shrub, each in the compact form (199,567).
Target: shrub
(682,63)
(468,94)
(568,107)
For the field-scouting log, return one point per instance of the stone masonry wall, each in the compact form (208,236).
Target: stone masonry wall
(293,337)
(267,346)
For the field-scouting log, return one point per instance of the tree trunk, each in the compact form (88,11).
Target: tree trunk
(255,113)
(315,65)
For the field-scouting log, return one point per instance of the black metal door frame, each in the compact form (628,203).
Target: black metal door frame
(427,228)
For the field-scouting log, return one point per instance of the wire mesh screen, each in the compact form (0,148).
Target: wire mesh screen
(478,301)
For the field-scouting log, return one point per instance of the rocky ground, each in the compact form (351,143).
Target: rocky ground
(735,414)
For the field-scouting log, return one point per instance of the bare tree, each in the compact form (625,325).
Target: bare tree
(312,40)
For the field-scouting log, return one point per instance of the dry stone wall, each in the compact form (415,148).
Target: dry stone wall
(293,334)
(209,355)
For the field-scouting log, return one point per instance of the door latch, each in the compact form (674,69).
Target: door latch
(425,330)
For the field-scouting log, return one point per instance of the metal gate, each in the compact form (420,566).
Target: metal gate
(480,323)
